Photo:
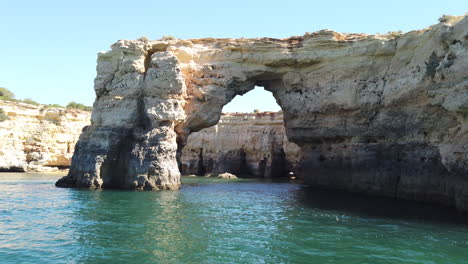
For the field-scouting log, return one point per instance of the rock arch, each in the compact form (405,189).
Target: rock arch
(247,144)
(381,114)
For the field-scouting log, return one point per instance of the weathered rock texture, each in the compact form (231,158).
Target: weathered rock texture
(36,138)
(380,114)
(252,145)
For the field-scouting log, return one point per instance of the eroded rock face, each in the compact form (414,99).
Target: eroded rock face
(246,144)
(38,138)
(380,114)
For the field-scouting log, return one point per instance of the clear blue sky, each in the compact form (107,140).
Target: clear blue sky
(258,98)
(48,48)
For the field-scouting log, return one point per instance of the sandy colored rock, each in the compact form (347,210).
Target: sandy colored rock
(378,114)
(38,138)
(227,175)
(253,144)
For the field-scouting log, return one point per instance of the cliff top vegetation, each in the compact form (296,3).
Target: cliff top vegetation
(8,95)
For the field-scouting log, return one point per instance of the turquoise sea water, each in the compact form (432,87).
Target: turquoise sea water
(219,221)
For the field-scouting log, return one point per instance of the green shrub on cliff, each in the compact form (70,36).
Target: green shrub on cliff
(395,34)
(30,101)
(6,94)
(53,105)
(75,105)
(143,38)
(48,106)
(3,116)
(168,37)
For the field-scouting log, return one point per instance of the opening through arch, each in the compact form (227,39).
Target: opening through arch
(257,99)
(248,141)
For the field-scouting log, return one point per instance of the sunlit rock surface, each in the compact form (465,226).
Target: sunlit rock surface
(38,138)
(379,114)
(246,144)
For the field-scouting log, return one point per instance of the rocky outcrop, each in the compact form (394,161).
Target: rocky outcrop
(227,175)
(380,114)
(246,144)
(38,138)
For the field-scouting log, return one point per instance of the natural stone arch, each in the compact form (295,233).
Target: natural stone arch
(246,144)
(364,109)
(246,141)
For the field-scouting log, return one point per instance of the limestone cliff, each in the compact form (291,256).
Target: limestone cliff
(38,138)
(380,114)
(243,144)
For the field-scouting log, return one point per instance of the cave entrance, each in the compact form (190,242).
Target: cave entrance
(248,141)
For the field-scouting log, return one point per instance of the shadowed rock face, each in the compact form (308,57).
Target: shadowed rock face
(378,114)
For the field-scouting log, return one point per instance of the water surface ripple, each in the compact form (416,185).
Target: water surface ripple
(219,221)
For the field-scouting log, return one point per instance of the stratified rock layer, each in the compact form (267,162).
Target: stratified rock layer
(380,114)
(38,138)
(250,145)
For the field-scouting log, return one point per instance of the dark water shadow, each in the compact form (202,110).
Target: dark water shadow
(379,207)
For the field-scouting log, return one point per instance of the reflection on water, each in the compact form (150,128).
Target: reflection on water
(219,221)
(368,206)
